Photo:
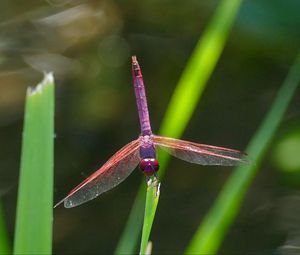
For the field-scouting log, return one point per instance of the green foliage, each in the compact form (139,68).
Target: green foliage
(186,96)
(152,198)
(33,232)
(135,217)
(212,231)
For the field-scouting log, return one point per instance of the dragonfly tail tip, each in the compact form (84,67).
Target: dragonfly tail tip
(134,59)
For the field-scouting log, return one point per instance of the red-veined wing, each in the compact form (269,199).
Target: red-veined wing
(200,153)
(113,172)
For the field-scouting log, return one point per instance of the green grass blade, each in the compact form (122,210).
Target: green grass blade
(198,69)
(211,232)
(135,218)
(33,232)
(4,243)
(152,198)
(187,94)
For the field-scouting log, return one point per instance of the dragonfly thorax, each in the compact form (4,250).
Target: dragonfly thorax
(149,166)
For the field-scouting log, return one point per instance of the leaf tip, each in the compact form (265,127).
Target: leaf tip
(48,79)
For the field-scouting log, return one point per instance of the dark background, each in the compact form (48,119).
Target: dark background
(88,44)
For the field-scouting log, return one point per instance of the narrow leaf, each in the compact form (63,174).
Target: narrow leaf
(33,232)
(152,198)
(135,218)
(212,231)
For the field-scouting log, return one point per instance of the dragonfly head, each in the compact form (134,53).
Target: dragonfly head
(149,166)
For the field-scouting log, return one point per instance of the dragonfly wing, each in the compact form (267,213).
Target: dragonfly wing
(113,172)
(200,153)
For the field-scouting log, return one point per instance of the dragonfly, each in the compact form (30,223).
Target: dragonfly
(142,152)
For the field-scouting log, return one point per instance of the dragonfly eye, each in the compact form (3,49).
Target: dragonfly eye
(149,166)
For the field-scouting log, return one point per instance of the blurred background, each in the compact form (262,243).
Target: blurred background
(88,45)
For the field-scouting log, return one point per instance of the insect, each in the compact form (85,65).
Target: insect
(142,152)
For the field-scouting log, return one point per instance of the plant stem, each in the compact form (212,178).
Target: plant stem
(152,197)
